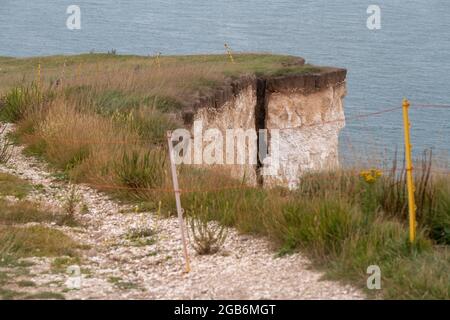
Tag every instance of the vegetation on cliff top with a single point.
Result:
(135, 79)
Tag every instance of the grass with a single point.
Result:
(12, 186)
(45, 296)
(35, 241)
(123, 285)
(16, 103)
(177, 78)
(106, 126)
(141, 236)
(23, 211)
(8, 294)
(60, 264)
(139, 171)
(19, 242)
(337, 218)
(26, 283)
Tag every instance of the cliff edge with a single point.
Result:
(301, 114)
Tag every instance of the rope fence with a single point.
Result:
(242, 186)
(160, 141)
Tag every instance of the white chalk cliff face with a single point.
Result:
(307, 110)
(238, 112)
(309, 126)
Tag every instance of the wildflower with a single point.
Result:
(371, 175)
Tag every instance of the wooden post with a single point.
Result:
(178, 200)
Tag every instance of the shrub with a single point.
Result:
(208, 236)
(71, 206)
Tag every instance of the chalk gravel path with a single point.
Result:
(246, 267)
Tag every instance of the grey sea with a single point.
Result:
(408, 57)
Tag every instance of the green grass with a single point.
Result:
(425, 276)
(12, 186)
(123, 285)
(26, 283)
(60, 264)
(8, 294)
(141, 236)
(17, 243)
(17, 70)
(23, 212)
(35, 241)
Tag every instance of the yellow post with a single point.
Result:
(229, 52)
(39, 82)
(158, 62)
(409, 176)
(39, 77)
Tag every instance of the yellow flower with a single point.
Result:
(370, 175)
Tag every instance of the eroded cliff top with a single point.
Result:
(169, 83)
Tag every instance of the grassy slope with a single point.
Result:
(98, 129)
(18, 241)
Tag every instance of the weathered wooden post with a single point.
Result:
(178, 200)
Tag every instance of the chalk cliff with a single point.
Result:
(303, 114)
